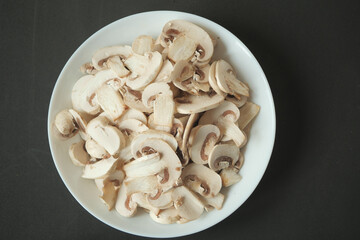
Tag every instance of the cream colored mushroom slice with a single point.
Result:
(143, 44)
(187, 203)
(152, 91)
(164, 109)
(132, 99)
(103, 54)
(177, 130)
(132, 126)
(80, 122)
(226, 110)
(140, 138)
(166, 216)
(140, 199)
(177, 28)
(100, 168)
(117, 177)
(161, 201)
(238, 103)
(229, 176)
(144, 166)
(88, 68)
(110, 101)
(239, 163)
(231, 129)
(193, 104)
(183, 147)
(183, 48)
(131, 113)
(147, 184)
(172, 169)
(201, 75)
(165, 72)
(227, 139)
(124, 205)
(202, 180)
(216, 202)
(223, 156)
(227, 81)
(109, 137)
(248, 112)
(181, 72)
(144, 69)
(116, 83)
(157, 45)
(109, 187)
(64, 125)
(201, 141)
(95, 150)
(115, 64)
(213, 82)
(78, 155)
(78, 90)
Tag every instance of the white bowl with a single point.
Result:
(258, 150)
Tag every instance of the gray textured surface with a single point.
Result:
(310, 53)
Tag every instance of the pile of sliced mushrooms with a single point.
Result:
(161, 124)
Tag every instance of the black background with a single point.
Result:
(309, 51)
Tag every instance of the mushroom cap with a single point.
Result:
(187, 203)
(223, 156)
(144, 69)
(193, 104)
(110, 101)
(201, 141)
(143, 44)
(131, 126)
(132, 113)
(95, 150)
(100, 168)
(226, 110)
(101, 55)
(152, 90)
(78, 155)
(202, 180)
(165, 72)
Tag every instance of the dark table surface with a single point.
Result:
(309, 51)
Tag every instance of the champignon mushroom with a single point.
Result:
(183, 48)
(248, 113)
(140, 199)
(231, 130)
(181, 72)
(95, 150)
(143, 44)
(115, 64)
(147, 184)
(88, 68)
(109, 187)
(164, 108)
(130, 126)
(226, 110)
(201, 141)
(222, 156)
(217, 201)
(165, 72)
(144, 166)
(132, 99)
(238, 103)
(152, 91)
(201, 75)
(187, 203)
(163, 201)
(229, 177)
(143, 69)
(202, 180)
(183, 147)
(78, 155)
(102, 55)
(110, 101)
(212, 80)
(80, 123)
(124, 205)
(131, 113)
(166, 216)
(64, 125)
(193, 104)
(100, 168)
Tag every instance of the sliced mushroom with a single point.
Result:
(78, 155)
(181, 72)
(143, 44)
(80, 123)
(144, 69)
(183, 147)
(226, 110)
(230, 129)
(202, 180)
(88, 68)
(183, 48)
(115, 64)
(100, 168)
(166, 216)
(239, 163)
(193, 104)
(131, 113)
(107, 136)
(132, 99)
(165, 72)
(144, 166)
(95, 150)
(187, 203)
(109, 187)
(201, 141)
(117, 177)
(217, 201)
(140, 199)
(238, 103)
(147, 184)
(131, 126)
(102, 55)
(152, 90)
(124, 205)
(177, 130)
(248, 113)
(164, 108)
(222, 156)
(110, 101)
(163, 201)
(229, 177)
(213, 82)
(65, 126)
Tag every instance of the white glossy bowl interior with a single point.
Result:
(258, 150)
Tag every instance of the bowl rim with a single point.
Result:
(271, 104)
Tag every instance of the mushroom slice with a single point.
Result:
(239, 163)
(177, 130)
(102, 55)
(163, 201)
(131, 126)
(144, 166)
(231, 130)
(222, 156)
(132, 99)
(78, 155)
(226, 110)
(238, 103)
(202, 180)
(143, 44)
(110, 101)
(178, 28)
(100, 168)
(181, 72)
(248, 113)
(166, 216)
(212, 80)
(152, 91)
(193, 104)
(201, 75)
(201, 141)
(140, 199)
(227, 81)
(131, 113)
(95, 150)
(187, 203)
(124, 204)
(147, 184)
(78, 90)
(183, 147)
(80, 123)
(217, 201)
(168, 138)
(143, 69)
(107, 136)
(165, 72)
(183, 48)
(64, 124)
(164, 108)
(172, 170)
(115, 64)
(109, 187)
(88, 68)
(229, 177)
(117, 177)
